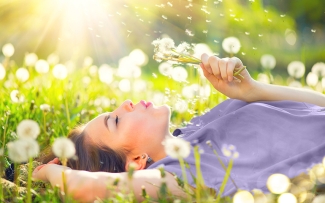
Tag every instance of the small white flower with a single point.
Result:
(296, 69)
(2, 72)
(312, 79)
(8, 50)
(319, 69)
(63, 148)
(177, 148)
(30, 59)
(22, 74)
(16, 97)
(268, 61)
(45, 107)
(229, 151)
(22, 149)
(42, 66)
(28, 129)
(60, 72)
(231, 45)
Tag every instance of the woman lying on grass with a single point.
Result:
(275, 130)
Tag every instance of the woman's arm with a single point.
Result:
(220, 73)
(86, 186)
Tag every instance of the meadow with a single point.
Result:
(59, 97)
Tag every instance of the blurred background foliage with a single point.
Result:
(107, 30)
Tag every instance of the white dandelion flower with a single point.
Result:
(88, 61)
(296, 69)
(42, 66)
(263, 78)
(138, 57)
(128, 69)
(177, 148)
(125, 85)
(165, 68)
(319, 69)
(231, 45)
(45, 107)
(8, 50)
(30, 59)
(60, 71)
(312, 79)
(28, 129)
(179, 74)
(278, 183)
(268, 61)
(2, 72)
(22, 149)
(181, 106)
(287, 198)
(53, 59)
(16, 96)
(201, 48)
(164, 45)
(22, 74)
(183, 48)
(229, 151)
(63, 148)
(243, 196)
(105, 73)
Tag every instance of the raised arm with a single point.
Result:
(86, 186)
(220, 73)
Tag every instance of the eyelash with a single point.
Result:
(116, 119)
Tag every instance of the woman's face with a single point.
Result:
(138, 128)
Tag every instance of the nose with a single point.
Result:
(125, 107)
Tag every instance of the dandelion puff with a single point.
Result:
(22, 74)
(63, 148)
(45, 107)
(296, 69)
(231, 45)
(287, 198)
(179, 74)
(16, 97)
(138, 57)
(201, 48)
(177, 148)
(53, 59)
(60, 72)
(183, 48)
(8, 50)
(243, 196)
(22, 149)
(30, 59)
(312, 79)
(181, 106)
(268, 61)
(319, 69)
(2, 72)
(42, 66)
(28, 129)
(164, 45)
(278, 183)
(105, 73)
(165, 69)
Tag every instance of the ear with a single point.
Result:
(140, 162)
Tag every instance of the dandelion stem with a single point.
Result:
(67, 110)
(4, 133)
(44, 122)
(29, 180)
(225, 180)
(199, 178)
(64, 179)
(181, 162)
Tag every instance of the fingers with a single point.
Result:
(221, 68)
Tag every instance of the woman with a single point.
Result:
(271, 137)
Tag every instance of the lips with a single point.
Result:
(145, 104)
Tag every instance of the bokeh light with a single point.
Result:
(8, 50)
(243, 197)
(287, 198)
(22, 74)
(60, 71)
(278, 183)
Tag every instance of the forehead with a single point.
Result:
(96, 128)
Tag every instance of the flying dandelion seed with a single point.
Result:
(282, 16)
(287, 198)
(243, 197)
(177, 148)
(154, 75)
(312, 30)
(21, 150)
(268, 61)
(63, 148)
(296, 69)
(189, 32)
(22, 74)
(30, 59)
(60, 72)
(42, 66)
(8, 50)
(278, 183)
(2, 72)
(231, 45)
(164, 17)
(28, 129)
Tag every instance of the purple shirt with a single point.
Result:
(271, 137)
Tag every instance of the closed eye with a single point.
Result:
(116, 120)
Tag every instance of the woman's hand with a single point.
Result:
(220, 73)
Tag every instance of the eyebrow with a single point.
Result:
(105, 121)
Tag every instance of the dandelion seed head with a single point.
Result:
(105, 73)
(16, 96)
(22, 74)
(45, 107)
(262, 77)
(21, 150)
(8, 50)
(201, 48)
(189, 32)
(296, 69)
(60, 71)
(243, 196)
(63, 148)
(312, 79)
(268, 61)
(287, 198)
(28, 129)
(165, 68)
(2, 72)
(278, 183)
(231, 45)
(177, 148)
(125, 85)
(138, 57)
(290, 37)
(42, 66)
(318, 68)
(128, 69)
(30, 59)
(179, 74)
(53, 59)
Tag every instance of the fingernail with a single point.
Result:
(229, 78)
(205, 58)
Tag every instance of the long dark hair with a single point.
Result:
(89, 155)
